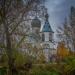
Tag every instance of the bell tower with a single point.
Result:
(47, 32)
(47, 38)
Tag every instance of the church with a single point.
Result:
(43, 37)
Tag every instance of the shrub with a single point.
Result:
(43, 70)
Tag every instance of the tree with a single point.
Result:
(66, 32)
(62, 51)
(72, 27)
(12, 13)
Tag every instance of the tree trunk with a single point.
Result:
(7, 38)
(8, 47)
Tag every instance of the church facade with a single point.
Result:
(43, 37)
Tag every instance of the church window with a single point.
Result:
(43, 37)
(50, 37)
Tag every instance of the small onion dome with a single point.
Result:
(36, 22)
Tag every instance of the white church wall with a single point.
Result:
(46, 36)
(46, 52)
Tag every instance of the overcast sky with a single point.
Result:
(58, 10)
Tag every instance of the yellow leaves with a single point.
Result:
(19, 59)
(62, 51)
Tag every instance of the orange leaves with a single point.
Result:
(62, 51)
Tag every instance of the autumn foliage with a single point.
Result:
(62, 51)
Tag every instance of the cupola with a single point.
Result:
(36, 22)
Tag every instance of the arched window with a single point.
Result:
(50, 37)
(43, 37)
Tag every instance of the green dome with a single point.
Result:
(36, 22)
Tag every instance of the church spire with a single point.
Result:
(46, 16)
(47, 27)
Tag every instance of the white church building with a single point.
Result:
(43, 37)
